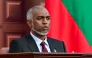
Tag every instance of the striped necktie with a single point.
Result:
(43, 47)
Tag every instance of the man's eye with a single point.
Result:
(39, 18)
(47, 18)
(42, 17)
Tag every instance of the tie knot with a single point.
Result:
(42, 43)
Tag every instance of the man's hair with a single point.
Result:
(29, 12)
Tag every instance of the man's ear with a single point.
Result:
(29, 22)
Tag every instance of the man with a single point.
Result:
(38, 19)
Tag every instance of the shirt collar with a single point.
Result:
(37, 40)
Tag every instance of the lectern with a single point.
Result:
(44, 55)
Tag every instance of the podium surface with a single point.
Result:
(44, 55)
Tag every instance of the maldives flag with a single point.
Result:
(71, 22)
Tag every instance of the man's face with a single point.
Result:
(41, 21)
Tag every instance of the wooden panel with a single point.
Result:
(41, 2)
(1, 23)
(45, 55)
(1, 36)
(14, 11)
(1, 13)
(8, 36)
(15, 27)
(1, 26)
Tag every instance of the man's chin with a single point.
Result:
(44, 34)
(41, 33)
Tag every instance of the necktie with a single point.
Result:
(43, 47)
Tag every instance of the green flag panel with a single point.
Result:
(81, 11)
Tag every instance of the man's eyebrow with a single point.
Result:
(43, 16)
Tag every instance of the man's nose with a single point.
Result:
(45, 21)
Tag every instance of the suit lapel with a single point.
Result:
(31, 44)
(51, 45)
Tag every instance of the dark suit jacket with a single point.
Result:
(27, 44)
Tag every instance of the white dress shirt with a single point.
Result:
(38, 42)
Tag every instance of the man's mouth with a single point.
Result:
(45, 27)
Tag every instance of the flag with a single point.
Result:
(71, 22)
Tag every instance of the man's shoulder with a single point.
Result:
(21, 38)
(54, 40)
